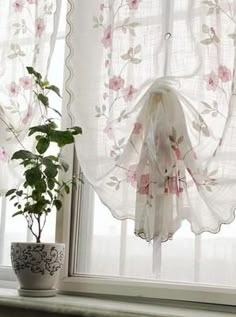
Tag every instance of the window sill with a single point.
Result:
(67, 305)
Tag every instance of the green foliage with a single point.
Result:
(41, 190)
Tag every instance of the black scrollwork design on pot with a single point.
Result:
(37, 258)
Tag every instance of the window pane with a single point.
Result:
(112, 249)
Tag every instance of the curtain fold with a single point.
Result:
(28, 29)
(152, 85)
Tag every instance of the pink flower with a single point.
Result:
(143, 185)
(131, 175)
(212, 81)
(3, 154)
(26, 82)
(40, 27)
(173, 185)
(108, 130)
(106, 40)
(133, 4)
(129, 92)
(18, 5)
(177, 153)
(137, 127)
(116, 83)
(14, 89)
(224, 73)
(28, 115)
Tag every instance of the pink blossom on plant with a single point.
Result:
(26, 82)
(116, 83)
(129, 92)
(131, 175)
(28, 115)
(108, 130)
(137, 127)
(224, 73)
(40, 26)
(14, 89)
(3, 154)
(133, 4)
(18, 5)
(106, 40)
(212, 81)
(143, 184)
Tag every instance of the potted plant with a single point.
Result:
(37, 264)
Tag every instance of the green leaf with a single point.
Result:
(19, 193)
(23, 154)
(31, 71)
(13, 197)
(10, 192)
(76, 130)
(54, 88)
(51, 171)
(57, 203)
(43, 99)
(33, 175)
(55, 110)
(51, 183)
(42, 145)
(62, 137)
(44, 128)
(65, 165)
(41, 186)
(17, 213)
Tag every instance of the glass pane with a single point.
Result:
(112, 249)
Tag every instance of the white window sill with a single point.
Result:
(91, 307)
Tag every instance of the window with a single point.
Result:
(105, 256)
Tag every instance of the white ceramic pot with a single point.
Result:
(37, 267)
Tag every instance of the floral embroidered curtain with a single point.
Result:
(28, 30)
(152, 84)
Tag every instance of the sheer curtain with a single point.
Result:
(152, 85)
(28, 31)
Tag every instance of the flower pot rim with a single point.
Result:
(36, 243)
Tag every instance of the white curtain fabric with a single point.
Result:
(28, 30)
(151, 83)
